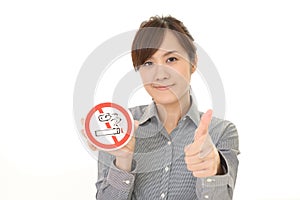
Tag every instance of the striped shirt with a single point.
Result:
(159, 170)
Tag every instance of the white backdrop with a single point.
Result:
(254, 45)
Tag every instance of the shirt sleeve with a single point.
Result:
(222, 186)
(113, 183)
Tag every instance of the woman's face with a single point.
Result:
(166, 75)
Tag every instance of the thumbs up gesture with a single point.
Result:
(201, 156)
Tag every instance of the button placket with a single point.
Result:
(166, 170)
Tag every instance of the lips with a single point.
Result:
(162, 87)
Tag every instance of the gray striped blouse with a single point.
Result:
(159, 170)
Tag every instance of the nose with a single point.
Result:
(161, 73)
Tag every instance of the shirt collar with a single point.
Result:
(193, 113)
(149, 113)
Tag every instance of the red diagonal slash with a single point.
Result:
(117, 143)
(107, 124)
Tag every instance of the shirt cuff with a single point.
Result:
(120, 179)
(219, 180)
(206, 187)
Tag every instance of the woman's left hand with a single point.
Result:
(202, 157)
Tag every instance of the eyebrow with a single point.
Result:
(170, 52)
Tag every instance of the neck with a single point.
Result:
(170, 114)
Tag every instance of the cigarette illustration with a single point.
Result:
(106, 132)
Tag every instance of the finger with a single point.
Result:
(83, 132)
(205, 173)
(193, 149)
(131, 144)
(92, 147)
(200, 166)
(129, 148)
(194, 159)
(207, 148)
(191, 160)
(201, 134)
(202, 129)
(201, 146)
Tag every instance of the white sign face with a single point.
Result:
(109, 126)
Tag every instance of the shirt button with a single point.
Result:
(209, 180)
(206, 196)
(162, 195)
(166, 168)
(127, 182)
(169, 142)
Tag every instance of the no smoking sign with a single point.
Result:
(109, 126)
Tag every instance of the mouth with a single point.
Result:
(162, 87)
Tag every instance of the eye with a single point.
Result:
(147, 63)
(172, 59)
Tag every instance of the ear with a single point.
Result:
(194, 64)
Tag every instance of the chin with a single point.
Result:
(165, 98)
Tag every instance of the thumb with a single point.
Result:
(131, 144)
(202, 130)
(136, 125)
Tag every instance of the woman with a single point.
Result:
(177, 152)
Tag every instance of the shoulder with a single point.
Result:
(221, 124)
(137, 111)
(224, 134)
(222, 130)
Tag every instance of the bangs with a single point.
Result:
(146, 42)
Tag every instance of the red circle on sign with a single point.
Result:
(118, 144)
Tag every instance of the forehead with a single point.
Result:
(171, 43)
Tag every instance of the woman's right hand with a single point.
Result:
(124, 155)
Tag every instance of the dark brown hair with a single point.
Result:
(150, 35)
